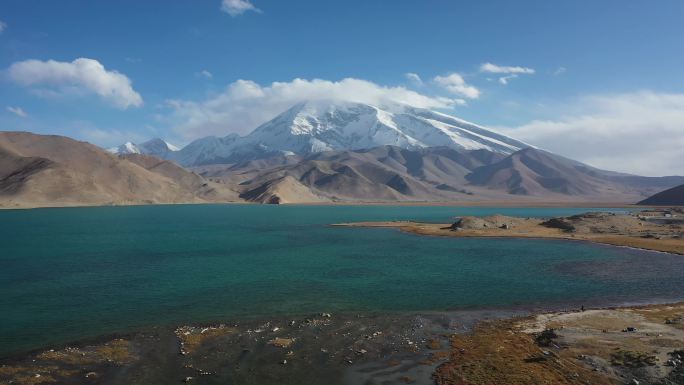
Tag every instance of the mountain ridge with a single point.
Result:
(43, 170)
(318, 126)
(50, 170)
(155, 146)
(390, 173)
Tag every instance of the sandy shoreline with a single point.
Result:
(532, 228)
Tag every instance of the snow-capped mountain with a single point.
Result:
(318, 126)
(156, 147)
(206, 150)
(126, 148)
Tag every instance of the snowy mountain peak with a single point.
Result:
(157, 147)
(316, 126)
(126, 148)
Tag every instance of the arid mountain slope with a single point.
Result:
(384, 173)
(43, 170)
(389, 173)
(40, 170)
(536, 172)
(669, 197)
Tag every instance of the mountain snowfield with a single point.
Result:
(318, 126)
(156, 147)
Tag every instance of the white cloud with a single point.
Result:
(3, 26)
(560, 71)
(80, 76)
(18, 111)
(414, 78)
(244, 104)
(508, 71)
(640, 133)
(495, 69)
(455, 84)
(205, 74)
(238, 7)
(504, 79)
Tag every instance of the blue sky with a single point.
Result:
(594, 63)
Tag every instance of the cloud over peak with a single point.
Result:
(82, 75)
(245, 104)
(238, 7)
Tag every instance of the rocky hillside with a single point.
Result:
(42, 170)
(390, 173)
(669, 197)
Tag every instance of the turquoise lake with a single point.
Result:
(73, 273)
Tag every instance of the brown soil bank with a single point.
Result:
(661, 230)
(643, 345)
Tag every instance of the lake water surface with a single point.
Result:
(72, 273)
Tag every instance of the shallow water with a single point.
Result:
(72, 273)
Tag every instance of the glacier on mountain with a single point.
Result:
(157, 147)
(318, 126)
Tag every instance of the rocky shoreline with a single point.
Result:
(634, 345)
(319, 349)
(638, 344)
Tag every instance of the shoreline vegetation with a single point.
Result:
(627, 345)
(657, 230)
(612, 345)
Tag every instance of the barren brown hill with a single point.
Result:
(389, 173)
(40, 170)
(669, 197)
(534, 172)
(384, 173)
(47, 170)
